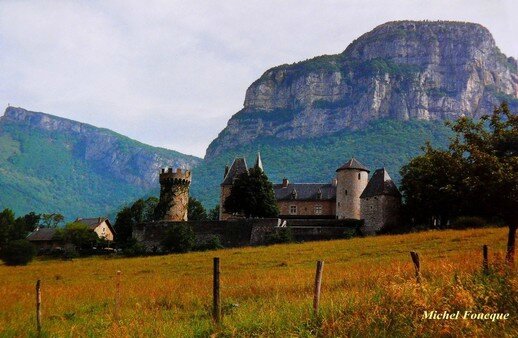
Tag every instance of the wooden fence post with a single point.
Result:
(117, 295)
(216, 301)
(485, 261)
(417, 265)
(38, 307)
(318, 285)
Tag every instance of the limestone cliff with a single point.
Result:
(400, 70)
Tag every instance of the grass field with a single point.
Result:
(368, 290)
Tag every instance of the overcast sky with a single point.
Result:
(171, 73)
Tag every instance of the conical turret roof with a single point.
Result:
(380, 184)
(258, 162)
(353, 164)
(237, 168)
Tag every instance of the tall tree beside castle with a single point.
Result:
(252, 195)
(476, 175)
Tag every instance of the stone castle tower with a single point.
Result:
(174, 194)
(351, 180)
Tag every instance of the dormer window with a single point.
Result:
(319, 194)
(294, 194)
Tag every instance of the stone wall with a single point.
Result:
(238, 233)
(379, 211)
(349, 187)
(225, 192)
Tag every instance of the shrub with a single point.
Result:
(213, 243)
(19, 252)
(281, 235)
(178, 238)
(135, 249)
(465, 222)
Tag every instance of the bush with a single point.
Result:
(178, 238)
(135, 249)
(212, 243)
(465, 222)
(19, 252)
(278, 236)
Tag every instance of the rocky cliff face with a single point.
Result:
(108, 153)
(400, 70)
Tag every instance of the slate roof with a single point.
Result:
(238, 167)
(353, 164)
(380, 184)
(93, 223)
(41, 234)
(305, 191)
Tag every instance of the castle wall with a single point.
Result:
(348, 190)
(245, 232)
(379, 211)
(307, 208)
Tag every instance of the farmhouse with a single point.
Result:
(101, 226)
(43, 239)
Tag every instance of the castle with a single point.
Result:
(313, 211)
(350, 196)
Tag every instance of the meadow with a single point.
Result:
(369, 290)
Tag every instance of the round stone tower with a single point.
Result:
(352, 178)
(174, 194)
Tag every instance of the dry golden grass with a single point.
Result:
(368, 290)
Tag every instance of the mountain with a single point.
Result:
(400, 70)
(380, 100)
(52, 164)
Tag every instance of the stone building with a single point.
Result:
(174, 194)
(305, 200)
(351, 180)
(350, 196)
(380, 202)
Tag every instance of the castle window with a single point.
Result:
(293, 209)
(359, 175)
(318, 209)
(345, 192)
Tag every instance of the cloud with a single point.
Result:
(171, 73)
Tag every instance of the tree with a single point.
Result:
(51, 220)
(214, 213)
(142, 210)
(77, 234)
(477, 175)
(179, 237)
(195, 210)
(6, 225)
(430, 184)
(13, 229)
(252, 195)
(18, 252)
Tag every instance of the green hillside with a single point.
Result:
(59, 171)
(384, 143)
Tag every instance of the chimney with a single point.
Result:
(285, 182)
